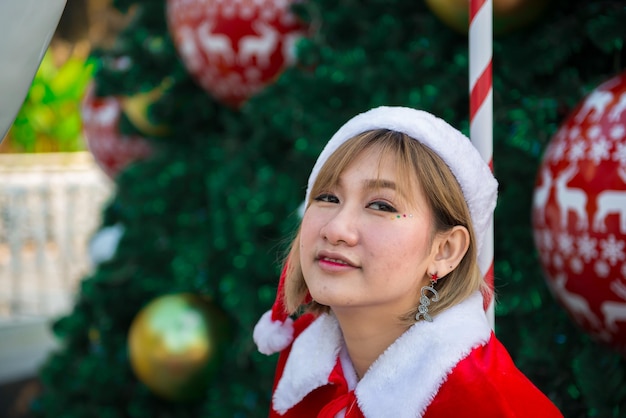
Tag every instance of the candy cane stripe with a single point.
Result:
(480, 33)
(481, 113)
(475, 7)
(482, 88)
(481, 128)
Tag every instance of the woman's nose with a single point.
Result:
(342, 227)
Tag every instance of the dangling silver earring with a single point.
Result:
(422, 310)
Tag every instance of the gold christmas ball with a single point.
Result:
(508, 15)
(175, 345)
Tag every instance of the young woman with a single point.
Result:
(385, 278)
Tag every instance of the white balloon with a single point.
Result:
(27, 26)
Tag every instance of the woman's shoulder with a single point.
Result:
(487, 383)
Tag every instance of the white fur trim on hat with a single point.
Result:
(272, 336)
(478, 184)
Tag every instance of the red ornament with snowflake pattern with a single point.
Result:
(579, 214)
(111, 150)
(233, 49)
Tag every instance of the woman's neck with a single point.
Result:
(367, 336)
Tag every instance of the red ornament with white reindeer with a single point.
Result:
(233, 49)
(112, 151)
(579, 214)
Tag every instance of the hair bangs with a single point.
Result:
(390, 146)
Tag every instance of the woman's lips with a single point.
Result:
(334, 262)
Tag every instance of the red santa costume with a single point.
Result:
(453, 366)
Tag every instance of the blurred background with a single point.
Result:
(156, 167)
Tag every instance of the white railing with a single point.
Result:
(50, 206)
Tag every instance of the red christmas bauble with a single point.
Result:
(234, 49)
(111, 150)
(579, 214)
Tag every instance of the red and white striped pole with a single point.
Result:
(481, 111)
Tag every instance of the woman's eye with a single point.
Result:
(385, 207)
(327, 197)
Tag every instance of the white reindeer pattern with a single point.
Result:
(614, 311)
(259, 47)
(541, 195)
(595, 105)
(618, 288)
(214, 43)
(570, 198)
(576, 304)
(611, 201)
(618, 109)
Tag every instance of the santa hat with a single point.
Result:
(274, 331)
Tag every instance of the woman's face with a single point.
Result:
(364, 246)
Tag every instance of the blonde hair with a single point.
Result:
(427, 173)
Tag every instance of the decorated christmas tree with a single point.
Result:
(188, 254)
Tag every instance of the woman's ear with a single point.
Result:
(450, 248)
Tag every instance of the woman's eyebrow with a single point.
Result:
(379, 184)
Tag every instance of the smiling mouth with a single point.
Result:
(334, 260)
(330, 262)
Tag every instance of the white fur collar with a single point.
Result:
(412, 368)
